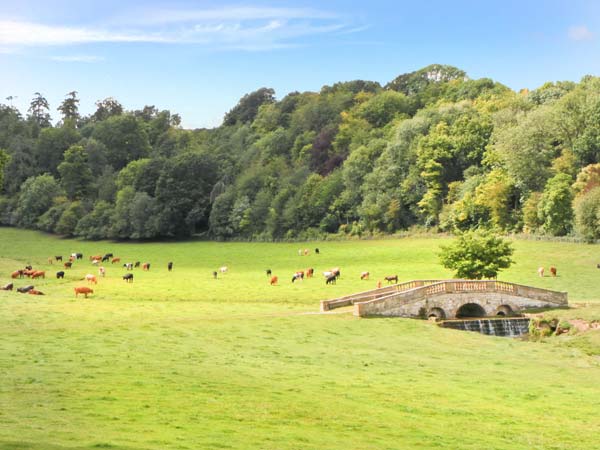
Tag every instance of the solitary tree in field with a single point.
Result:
(476, 255)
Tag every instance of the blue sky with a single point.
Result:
(197, 58)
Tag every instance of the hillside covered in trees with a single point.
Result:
(431, 148)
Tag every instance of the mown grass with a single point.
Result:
(179, 360)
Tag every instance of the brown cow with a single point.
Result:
(364, 276)
(68, 264)
(98, 257)
(17, 274)
(38, 274)
(146, 266)
(115, 260)
(91, 278)
(35, 292)
(274, 280)
(310, 272)
(553, 271)
(392, 278)
(83, 290)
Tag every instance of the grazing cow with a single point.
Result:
(98, 257)
(268, 272)
(146, 266)
(553, 271)
(91, 278)
(137, 264)
(541, 271)
(38, 274)
(17, 273)
(68, 264)
(215, 274)
(331, 279)
(24, 289)
(102, 271)
(128, 277)
(317, 251)
(364, 276)
(35, 292)
(60, 274)
(310, 272)
(78, 255)
(128, 266)
(83, 290)
(115, 260)
(170, 266)
(274, 280)
(223, 269)
(105, 258)
(298, 276)
(7, 287)
(58, 258)
(392, 278)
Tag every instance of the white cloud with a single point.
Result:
(251, 28)
(78, 58)
(580, 33)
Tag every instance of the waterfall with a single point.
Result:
(509, 327)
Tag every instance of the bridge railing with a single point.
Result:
(461, 286)
(373, 294)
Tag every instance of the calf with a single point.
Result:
(553, 271)
(7, 287)
(91, 278)
(68, 265)
(24, 289)
(35, 292)
(364, 276)
(392, 278)
(60, 274)
(128, 277)
(274, 280)
(170, 266)
(83, 290)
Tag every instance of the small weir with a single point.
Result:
(509, 327)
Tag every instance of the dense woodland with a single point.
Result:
(431, 149)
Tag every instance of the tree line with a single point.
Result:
(432, 149)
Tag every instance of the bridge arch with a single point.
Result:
(505, 310)
(436, 313)
(468, 310)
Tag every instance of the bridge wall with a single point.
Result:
(449, 303)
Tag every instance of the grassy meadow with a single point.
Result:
(182, 361)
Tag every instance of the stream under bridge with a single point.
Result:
(449, 299)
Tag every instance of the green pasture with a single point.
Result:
(182, 361)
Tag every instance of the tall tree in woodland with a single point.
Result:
(39, 110)
(107, 108)
(69, 108)
(75, 173)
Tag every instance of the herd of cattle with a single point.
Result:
(331, 276)
(30, 273)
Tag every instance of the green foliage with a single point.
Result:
(587, 214)
(555, 209)
(75, 173)
(36, 197)
(247, 108)
(476, 255)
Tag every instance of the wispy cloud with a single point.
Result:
(251, 28)
(580, 33)
(78, 58)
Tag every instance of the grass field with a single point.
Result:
(180, 360)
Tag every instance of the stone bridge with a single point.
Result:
(449, 299)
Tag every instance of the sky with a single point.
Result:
(198, 58)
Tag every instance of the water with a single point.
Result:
(510, 327)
